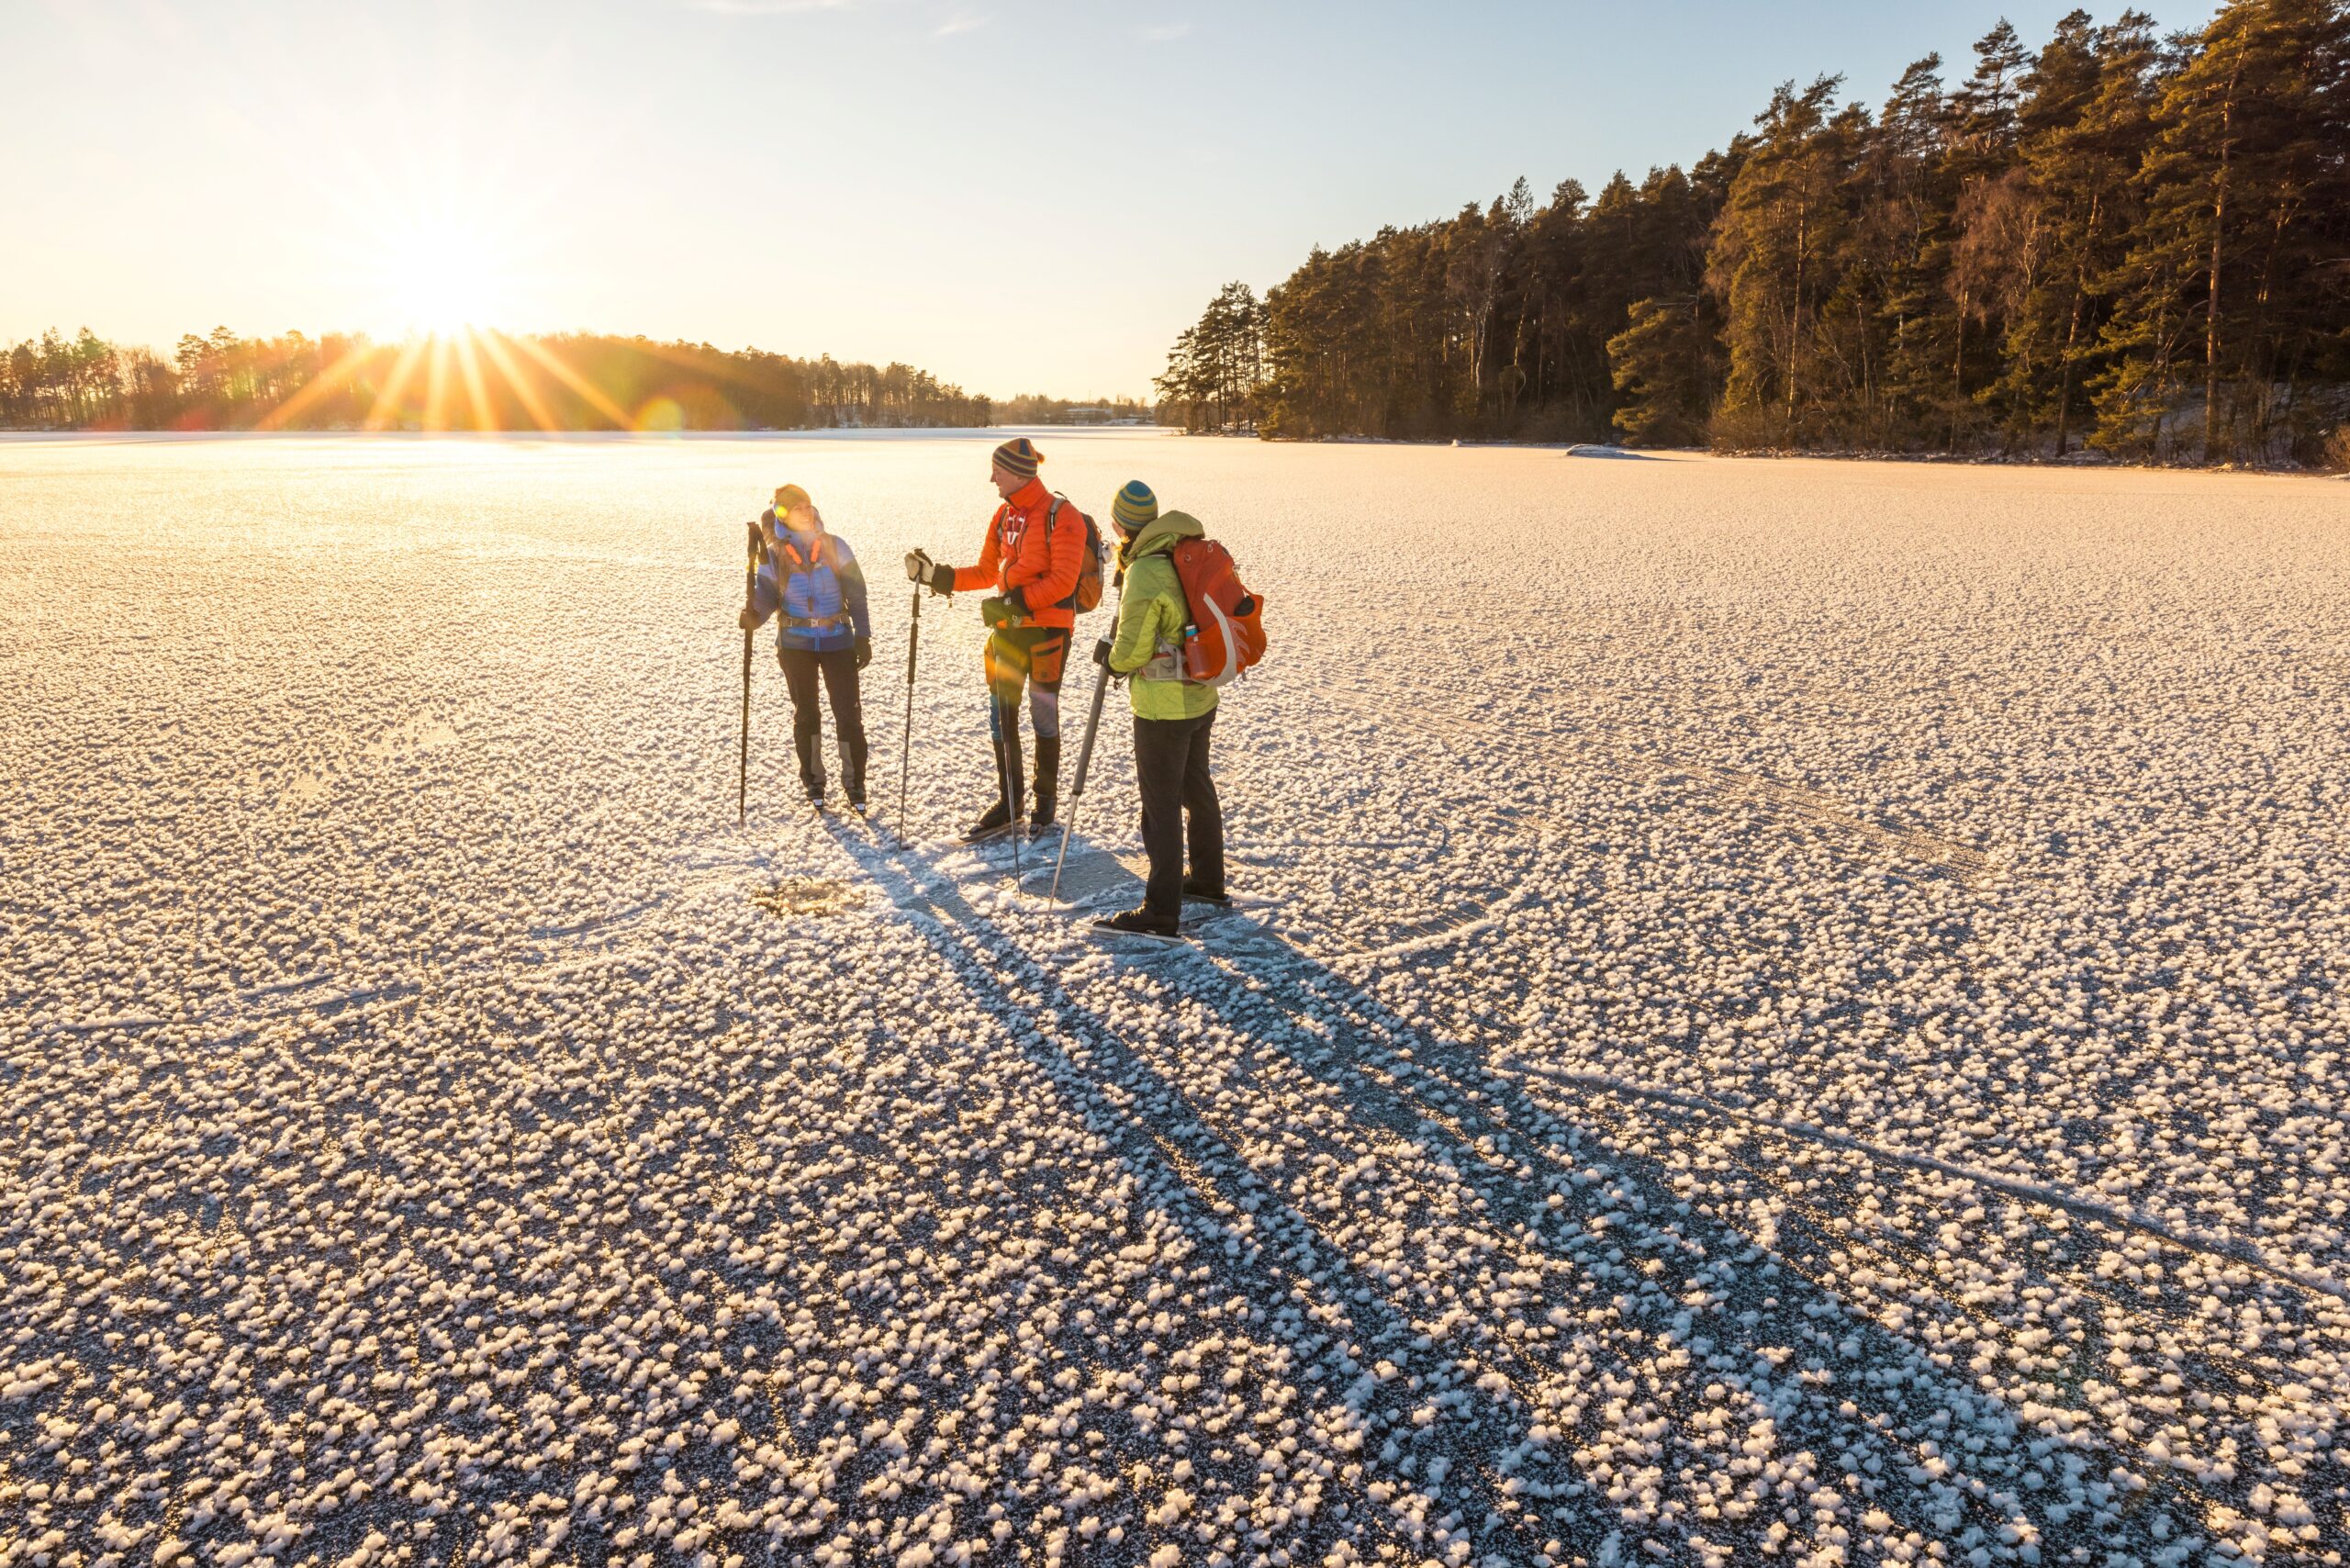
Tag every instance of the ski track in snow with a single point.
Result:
(1800, 1018)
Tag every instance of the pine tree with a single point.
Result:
(1980, 148)
(2084, 134)
(1902, 242)
(2114, 227)
(1664, 363)
(1769, 265)
(2244, 191)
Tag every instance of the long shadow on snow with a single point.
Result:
(1381, 1055)
(1804, 1239)
(1187, 1166)
(1425, 1085)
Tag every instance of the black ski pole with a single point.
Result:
(1085, 749)
(750, 596)
(906, 735)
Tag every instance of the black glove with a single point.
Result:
(997, 612)
(1018, 599)
(748, 620)
(1101, 653)
(864, 651)
(936, 576)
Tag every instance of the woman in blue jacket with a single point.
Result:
(810, 581)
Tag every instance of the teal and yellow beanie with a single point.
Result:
(1135, 508)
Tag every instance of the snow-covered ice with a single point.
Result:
(1803, 1020)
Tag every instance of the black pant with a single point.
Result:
(1172, 771)
(838, 666)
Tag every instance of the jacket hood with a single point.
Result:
(1162, 532)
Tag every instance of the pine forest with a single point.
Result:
(2121, 240)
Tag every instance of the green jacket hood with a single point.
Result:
(1161, 534)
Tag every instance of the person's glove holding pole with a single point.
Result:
(936, 575)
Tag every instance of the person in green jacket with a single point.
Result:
(1172, 717)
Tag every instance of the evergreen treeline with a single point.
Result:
(1217, 368)
(469, 381)
(2138, 242)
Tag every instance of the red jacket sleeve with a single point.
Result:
(970, 579)
(1058, 580)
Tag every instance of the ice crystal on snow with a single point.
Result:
(1802, 1019)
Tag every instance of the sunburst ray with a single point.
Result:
(318, 386)
(492, 344)
(436, 382)
(387, 401)
(469, 364)
(586, 389)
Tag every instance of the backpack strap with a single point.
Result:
(1052, 516)
(809, 562)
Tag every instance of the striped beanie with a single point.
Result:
(1135, 508)
(1019, 455)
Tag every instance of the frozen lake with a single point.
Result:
(1805, 1015)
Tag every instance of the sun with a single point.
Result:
(444, 276)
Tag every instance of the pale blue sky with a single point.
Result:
(1018, 197)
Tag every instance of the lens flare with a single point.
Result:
(660, 415)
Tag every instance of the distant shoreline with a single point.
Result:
(852, 432)
(1587, 450)
(2083, 461)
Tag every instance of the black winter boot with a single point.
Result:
(1006, 810)
(853, 769)
(1048, 781)
(1139, 923)
(807, 743)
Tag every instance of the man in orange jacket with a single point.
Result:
(1030, 563)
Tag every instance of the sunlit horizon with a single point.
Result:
(835, 180)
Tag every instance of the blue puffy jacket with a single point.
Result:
(822, 599)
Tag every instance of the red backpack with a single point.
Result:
(1087, 594)
(1226, 634)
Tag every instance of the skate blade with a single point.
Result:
(1142, 938)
